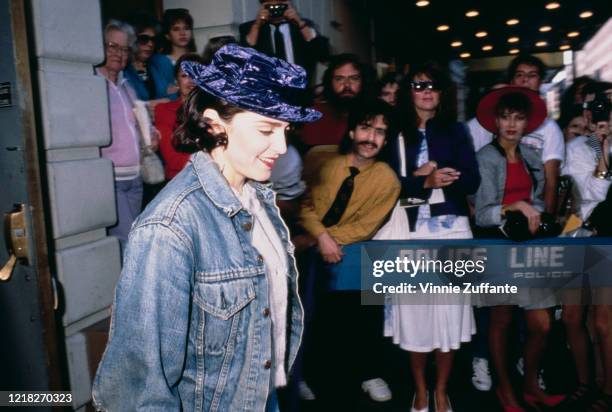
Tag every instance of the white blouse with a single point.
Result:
(267, 242)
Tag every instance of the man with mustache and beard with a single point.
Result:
(345, 84)
(349, 195)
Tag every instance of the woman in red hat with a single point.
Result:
(513, 182)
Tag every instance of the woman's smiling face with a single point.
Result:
(254, 142)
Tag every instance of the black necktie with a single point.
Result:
(279, 43)
(340, 203)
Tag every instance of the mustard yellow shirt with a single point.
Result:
(376, 190)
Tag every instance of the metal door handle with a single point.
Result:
(16, 239)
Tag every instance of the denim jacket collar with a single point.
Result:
(217, 188)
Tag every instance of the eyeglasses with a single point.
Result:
(116, 49)
(145, 38)
(424, 85)
(351, 79)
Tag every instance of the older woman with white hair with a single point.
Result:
(124, 149)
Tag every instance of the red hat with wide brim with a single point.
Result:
(486, 108)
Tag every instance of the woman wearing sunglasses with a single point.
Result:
(441, 171)
(146, 70)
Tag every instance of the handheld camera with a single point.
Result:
(276, 9)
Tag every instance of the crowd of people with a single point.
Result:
(510, 172)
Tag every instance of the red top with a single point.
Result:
(330, 129)
(165, 118)
(518, 183)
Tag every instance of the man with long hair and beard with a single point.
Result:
(346, 82)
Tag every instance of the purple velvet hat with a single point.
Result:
(254, 81)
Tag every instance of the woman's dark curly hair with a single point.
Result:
(570, 114)
(187, 57)
(171, 17)
(445, 113)
(363, 113)
(192, 133)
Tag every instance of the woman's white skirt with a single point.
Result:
(424, 322)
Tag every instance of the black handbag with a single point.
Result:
(516, 227)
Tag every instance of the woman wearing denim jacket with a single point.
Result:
(513, 181)
(206, 313)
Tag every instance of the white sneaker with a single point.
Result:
(377, 389)
(520, 367)
(305, 392)
(481, 378)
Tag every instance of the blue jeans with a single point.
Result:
(128, 198)
(272, 404)
(480, 342)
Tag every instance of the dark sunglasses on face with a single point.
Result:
(145, 38)
(424, 85)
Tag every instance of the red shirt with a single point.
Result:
(518, 183)
(165, 118)
(330, 129)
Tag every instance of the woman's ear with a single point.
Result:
(352, 135)
(214, 123)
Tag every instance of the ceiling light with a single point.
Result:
(541, 44)
(422, 3)
(586, 14)
(564, 47)
(573, 34)
(512, 22)
(472, 13)
(487, 47)
(552, 6)
(544, 29)
(464, 55)
(514, 51)
(481, 34)
(456, 44)
(513, 40)
(443, 27)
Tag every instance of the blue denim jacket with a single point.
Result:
(190, 327)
